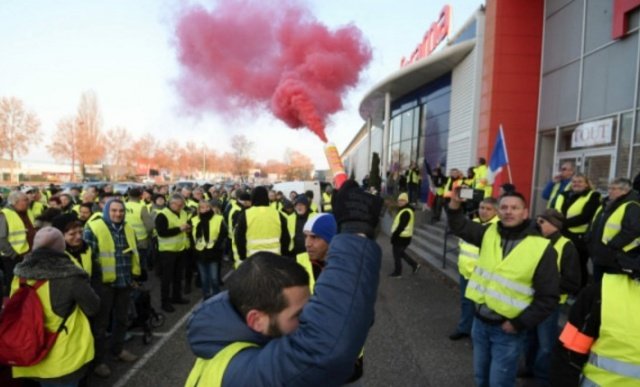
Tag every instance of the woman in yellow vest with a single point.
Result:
(77, 249)
(401, 232)
(66, 292)
(208, 235)
(578, 205)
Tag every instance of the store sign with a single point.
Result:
(621, 12)
(432, 38)
(592, 133)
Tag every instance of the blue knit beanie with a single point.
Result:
(323, 225)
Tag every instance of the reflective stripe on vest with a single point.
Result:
(177, 242)
(72, 349)
(134, 219)
(469, 254)
(574, 210)
(263, 230)
(326, 199)
(613, 225)
(408, 230)
(559, 248)
(555, 191)
(214, 231)
(85, 262)
(304, 261)
(16, 231)
(505, 285)
(209, 372)
(615, 355)
(107, 250)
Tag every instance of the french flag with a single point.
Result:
(499, 160)
(430, 187)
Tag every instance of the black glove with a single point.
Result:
(355, 210)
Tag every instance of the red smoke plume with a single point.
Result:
(247, 54)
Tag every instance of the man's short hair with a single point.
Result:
(514, 195)
(622, 182)
(490, 201)
(89, 206)
(260, 280)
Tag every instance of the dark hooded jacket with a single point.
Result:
(332, 330)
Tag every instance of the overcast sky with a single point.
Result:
(53, 51)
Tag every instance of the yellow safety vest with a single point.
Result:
(263, 230)
(16, 231)
(85, 263)
(559, 247)
(574, 210)
(505, 285)
(177, 242)
(209, 372)
(304, 261)
(214, 231)
(615, 356)
(481, 182)
(35, 210)
(107, 250)
(76, 208)
(277, 205)
(414, 177)
(134, 219)
(313, 207)
(72, 349)
(408, 230)
(613, 225)
(326, 202)
(235, 207)
(555, 191)
(469, 253)
(94, 216)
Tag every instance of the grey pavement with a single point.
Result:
(407, 346)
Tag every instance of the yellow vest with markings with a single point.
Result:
(214, 232)
(505, 285)
(613, 225)
(16, 231)
(107, 250)
(559, 248)
(469, 253)
(134, 219)
(304, 261)
(326, 202)
(555, 191)
(72, 349)
(574, 210)
(85, 262)
(177, 242)
(408, 230)
(209, 372)
(263, 230)
(615, 356)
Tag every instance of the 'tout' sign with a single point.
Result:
(592, 133)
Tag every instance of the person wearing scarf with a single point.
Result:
(208, 235)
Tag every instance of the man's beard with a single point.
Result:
(274, 329)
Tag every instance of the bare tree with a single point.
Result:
(19, 129)
(298, 166)
(118, 142)
(90, 139)
(241, 151)
(65, 142)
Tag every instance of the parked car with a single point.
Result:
(123, 187)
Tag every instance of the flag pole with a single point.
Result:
(506, 154)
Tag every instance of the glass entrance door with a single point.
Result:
(597, 165)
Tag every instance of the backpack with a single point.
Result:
(24, 339)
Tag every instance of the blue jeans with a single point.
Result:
(467, 309)
(495, 354)
(540, 343)
(209, 278)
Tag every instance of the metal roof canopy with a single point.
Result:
(411, 77)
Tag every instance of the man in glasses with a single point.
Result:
(560, 183)
(615, 229)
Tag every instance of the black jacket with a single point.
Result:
(585, 216)
(545, 278)
(604, 255)
(570, 275)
